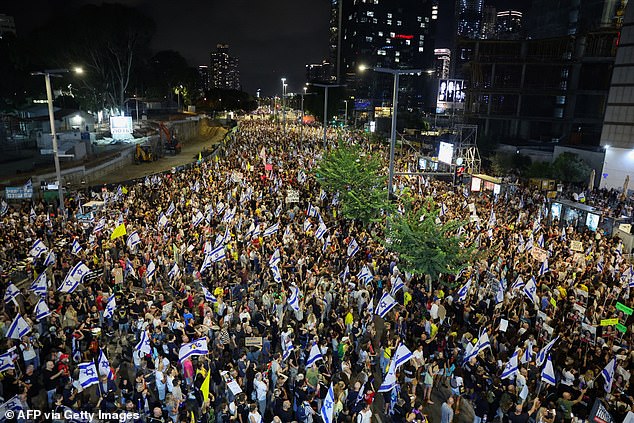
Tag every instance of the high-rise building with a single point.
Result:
(391, 34)
(469, 18)
(321, 72)
(442, 62)
(334, 37)
(509, 25)
(224, 69)
(489, 21)
(204, 78)
(7, 25)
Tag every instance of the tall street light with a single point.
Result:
(283, 101)
(396, 73)
(325, 87)
(57, 73)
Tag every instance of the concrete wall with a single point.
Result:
(536, 155)
(184, 130)
(619, 162)
(593, 158)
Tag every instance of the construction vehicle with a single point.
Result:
(144, 154)
(170, 143)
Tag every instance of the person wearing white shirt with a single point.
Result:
(261, 388)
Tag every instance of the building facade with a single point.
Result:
(7, 25)
(323, 72)
(442, 63)
(508, 25)
(469, 14)
(225, 73)
(204, 78)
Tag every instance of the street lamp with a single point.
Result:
(396, 73)
(283, 96)
(57, 73)
(345, 116)
(325, 87)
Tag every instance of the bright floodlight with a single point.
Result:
(78, 70)
(362, 67)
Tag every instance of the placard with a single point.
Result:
(292, 196)
(504, 324)
(255, 341)
(625, 227)
(609, 322)
(539, 254)
(167, 308)
(621, 328)
(576, 246)
(625, 309)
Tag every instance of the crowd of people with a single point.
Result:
(237, 293)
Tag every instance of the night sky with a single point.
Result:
(273, 39)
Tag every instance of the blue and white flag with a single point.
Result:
(275, 258)
(198, 218)
(492, 220)
(307, 225)
(540, 241)
(543, 353)
(527, 355)
(563, 236)
(100, 226)
(530, 290)
(315, 354)
(197, 347)
(104, 365)
(209, 296)
(499, 295)
(278, 210)
(353, 247)
(443, 210)
(301, 176)
(345, 274)
(481, 344)
(328, 407)
(174, 272)
(312, 211)
(4, 207)
(600, 265)
(37, 249)
(120, 220)
(144, 344)
(402, 355)
(529, 245)
(321, 230)
(386, 303)
(271, 230)
(74, 277)
(608, 375)
(365, 275)
(511, 368)
(133, 240)
(150, 270)
(162, 221)
(293, 299)
(619, 249)
(33, 215)
(15, 405)
(41, 310)
(288, 349)
(206, 263)
(518, 284)
(111, 306)
(322, 195)
(217, 254)
(11, 292)
(170, 210)
(389, 381)
(6, 362)
(397, 286)
(18, 328)
(50, 259)
(543, 268)
(277, 274)
(88, 374)
(548, 373)
(327, 244)
(461, 295)
(230, 214)
(75, 248)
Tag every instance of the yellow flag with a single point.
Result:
(200, 157)
(193, 418)
(553, 302)
(124, 190)
(204, 388)
(118, 231)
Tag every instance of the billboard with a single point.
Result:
(362, 104)
(121, 127)
(451, 94)
(445, 153)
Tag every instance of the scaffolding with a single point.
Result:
(466, 149)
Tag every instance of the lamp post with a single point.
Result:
(283, 100)
(345, 116)
(51, 117)
(396, 73)
(325, 87)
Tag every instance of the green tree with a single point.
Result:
(504, 163)
(569, 167)
(424, 246)
(358, 179)
(539, 170)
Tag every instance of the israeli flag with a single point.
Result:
(563, 236)
(511, 367)
(307, 225)
(293, 299)
(41, 310)
(492, 220)
(322, 195)
(37, 249)
(198, 217)
(209, 296)
(74, 277)
(11, 292)
(100, 226)
(540, 241)
(229, 215)
(6, 362)
(104, 365)
(174, 271)
(133, 240)
(150, 270)
(499, 295)
(88, 374)
(19, 327)
(548, 373)
(443, 210)
(461, 295)
(608, 375)
(528, 354)
(389, 381)
(33, 215)
(301, 176)
(50, 259)
(162, 221)
(288, 349)
(271, 230)
(278, 210)
(326, 245)
(396, 286)
(353, 247)
(277, 275)
(518, 284)
(543, 353)
(328, 408)
(335, 199)
(170, 210)
(4, 207)
(217, 254)
(220, 207)
(345, 273)
(312, 211)
(543, 268)
(14, 404)
(225, 238)
(386, 303)
(529, 245)
(110, 308)
(275, 258)
(197, 347)
(315, 354)
(75, 247)
(600, 265)
(482, 343)
(619, 249)
(530, 290)
(402, 355)
(321, 230)
(365, 275)
(144, 344)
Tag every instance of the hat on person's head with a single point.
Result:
(300, 377)
(64, 357)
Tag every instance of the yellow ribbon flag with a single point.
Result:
(200, 156)
(204, 388)
(118, 231)
(124, 190)
(193, 417)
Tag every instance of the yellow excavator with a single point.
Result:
(143, 154)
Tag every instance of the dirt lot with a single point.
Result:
(190, 150)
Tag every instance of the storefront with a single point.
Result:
(578, 215)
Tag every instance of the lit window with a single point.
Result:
(381, 52)
(370, 13)
(399, 23)
(380, 34)
(420, 49)
(374, 20)
(397, 60)
(426, 19)
(368, 39)
(388, 41)
(419, 19)
(389, 21)
(389, 15)
(407, 43)
(397, 53)
(392, 34)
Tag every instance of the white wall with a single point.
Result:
(618, 163)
